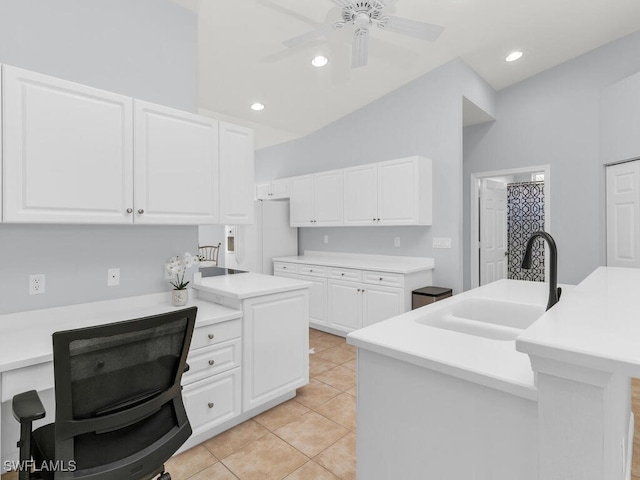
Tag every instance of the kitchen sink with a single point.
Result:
(494, 319)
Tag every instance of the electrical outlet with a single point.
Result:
(326, 239)
(442, 243)
(396, 242)
(113, 277)
(36, 284)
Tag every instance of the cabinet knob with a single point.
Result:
(211, 404)
(211, 362)
(362, 290)
(378, 220)
(129, 210)
(358, 289)
(140, 211)
(310, 270)
(211, 335)
(380, 278)
(284, 268)
(374, 219)
(342, 274)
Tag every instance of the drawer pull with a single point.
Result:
(380, 278)
(284, 268)
(342, 274)
(211, 362)
(211, 404)
(310, 270)
(211, 335)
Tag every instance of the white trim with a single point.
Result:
(475, 220)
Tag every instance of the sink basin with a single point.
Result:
(492, 319)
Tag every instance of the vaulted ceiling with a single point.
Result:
(242, 59)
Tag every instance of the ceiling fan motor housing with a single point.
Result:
(362, 13)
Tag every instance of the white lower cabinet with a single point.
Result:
(212, 386)
(276, 346)
(345, 305)
(342, 300)
(212, 401)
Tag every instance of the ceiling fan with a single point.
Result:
(362, 14)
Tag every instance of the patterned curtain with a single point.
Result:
(525, 215)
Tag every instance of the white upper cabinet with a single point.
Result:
(302, 201)
(236, 174)
(176, 166)
(274, 190)
(68, 151)
(316, 200)
(401, 200)
(620, 120)
(361, 195)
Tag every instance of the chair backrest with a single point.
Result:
(119, 409)
(209, 253)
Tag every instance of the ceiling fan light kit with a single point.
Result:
(362, 14)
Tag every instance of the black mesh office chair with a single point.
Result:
(119, 409)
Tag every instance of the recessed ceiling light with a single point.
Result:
(257, 106)
(319, 61)
(513, 56)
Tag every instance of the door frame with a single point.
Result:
(474, 213)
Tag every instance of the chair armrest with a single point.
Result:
(27, 407)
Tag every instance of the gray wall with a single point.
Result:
(141, 48)
(554, 118)
(424, 118)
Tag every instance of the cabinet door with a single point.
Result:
(68, 151)
(263, 191)
(317, 299)
(175, 166)
(302, 201)
(236, 174)
(620, 120)
(623, 215)
(345, 305)
(280, 188)
(328, 189)
(213, 400)
(398, 192)
(275, 351)
(381, 303)
(361, 195)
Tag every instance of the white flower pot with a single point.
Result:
(179, 297)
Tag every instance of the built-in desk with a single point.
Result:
(26, 358)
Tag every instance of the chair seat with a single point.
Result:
(93, 450)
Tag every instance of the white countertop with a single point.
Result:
(247, 285)
(382, 263)
(494, 363)
(25, 337)
(597, 326)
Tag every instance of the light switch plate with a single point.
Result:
(442, 242)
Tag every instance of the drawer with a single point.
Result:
(215, 333)
(346, 274)
(208, 361)
(313, 270)
(384, 278)
(213, 401)
(34, 377)
(285, 267)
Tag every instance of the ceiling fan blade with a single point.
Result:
(413, 28)
(387, 3)
(360, 52)
(329, 27)
(342, 3)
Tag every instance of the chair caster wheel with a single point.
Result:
(164, 476)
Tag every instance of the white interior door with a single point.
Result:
(493, 231)
(623, 211)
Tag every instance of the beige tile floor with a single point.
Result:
(310, 437)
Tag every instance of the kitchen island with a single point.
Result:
(487, 385)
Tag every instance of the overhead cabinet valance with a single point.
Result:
(77, 154)
(395, 192)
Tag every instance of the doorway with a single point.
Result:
(507, 206)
